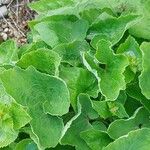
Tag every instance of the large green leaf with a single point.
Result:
(34, 87)
(79, 80)
(54, 33)
(43, 6)
(123, 7)
(135, 140)
(110, 28)
(108, 69)
(43, 95)
(47, 128)
(79, 123)
(121, 127)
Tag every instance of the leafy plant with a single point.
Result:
(82, 81)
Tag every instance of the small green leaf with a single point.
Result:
(107, 109)
(26, 144)
(102, 108)
(98, 125)
(7, 132)
(96, 139)
(12, 117)
(49, 61)
(8, 53)
(19, 116)
(132, 50)
(71, 52)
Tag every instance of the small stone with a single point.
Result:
(4, 26)
(3, 11)
(5, 1)
(6, 30)
(4, 36)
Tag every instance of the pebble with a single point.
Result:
(4, 25)
(4, 36)
(6, 30)
(3, 11)
(5, 2)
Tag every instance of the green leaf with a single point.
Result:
(98, 125)
(26, 144)
(8, 53)
(102, 108)
(135, 140)
(72, 136)
(70, 52)
(108, 109)
(8, 134)
(47, 128)
(49, 61)
(34, 87)
(79, 80)
(132, 105)
(117, 109)
(79, 123)
(96, 139)
(121, 127)
(124, 7)
(132, 50)
(110, 28)
(87, 106)
(46, 5)
(54, 33)
(144, 80)
(137, 94)
(43, 95)
(108, 69)
(32, 47)
(90, 14)
(19, 115)
(141, 29)
(12, 117)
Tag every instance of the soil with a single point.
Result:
(14, 25)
